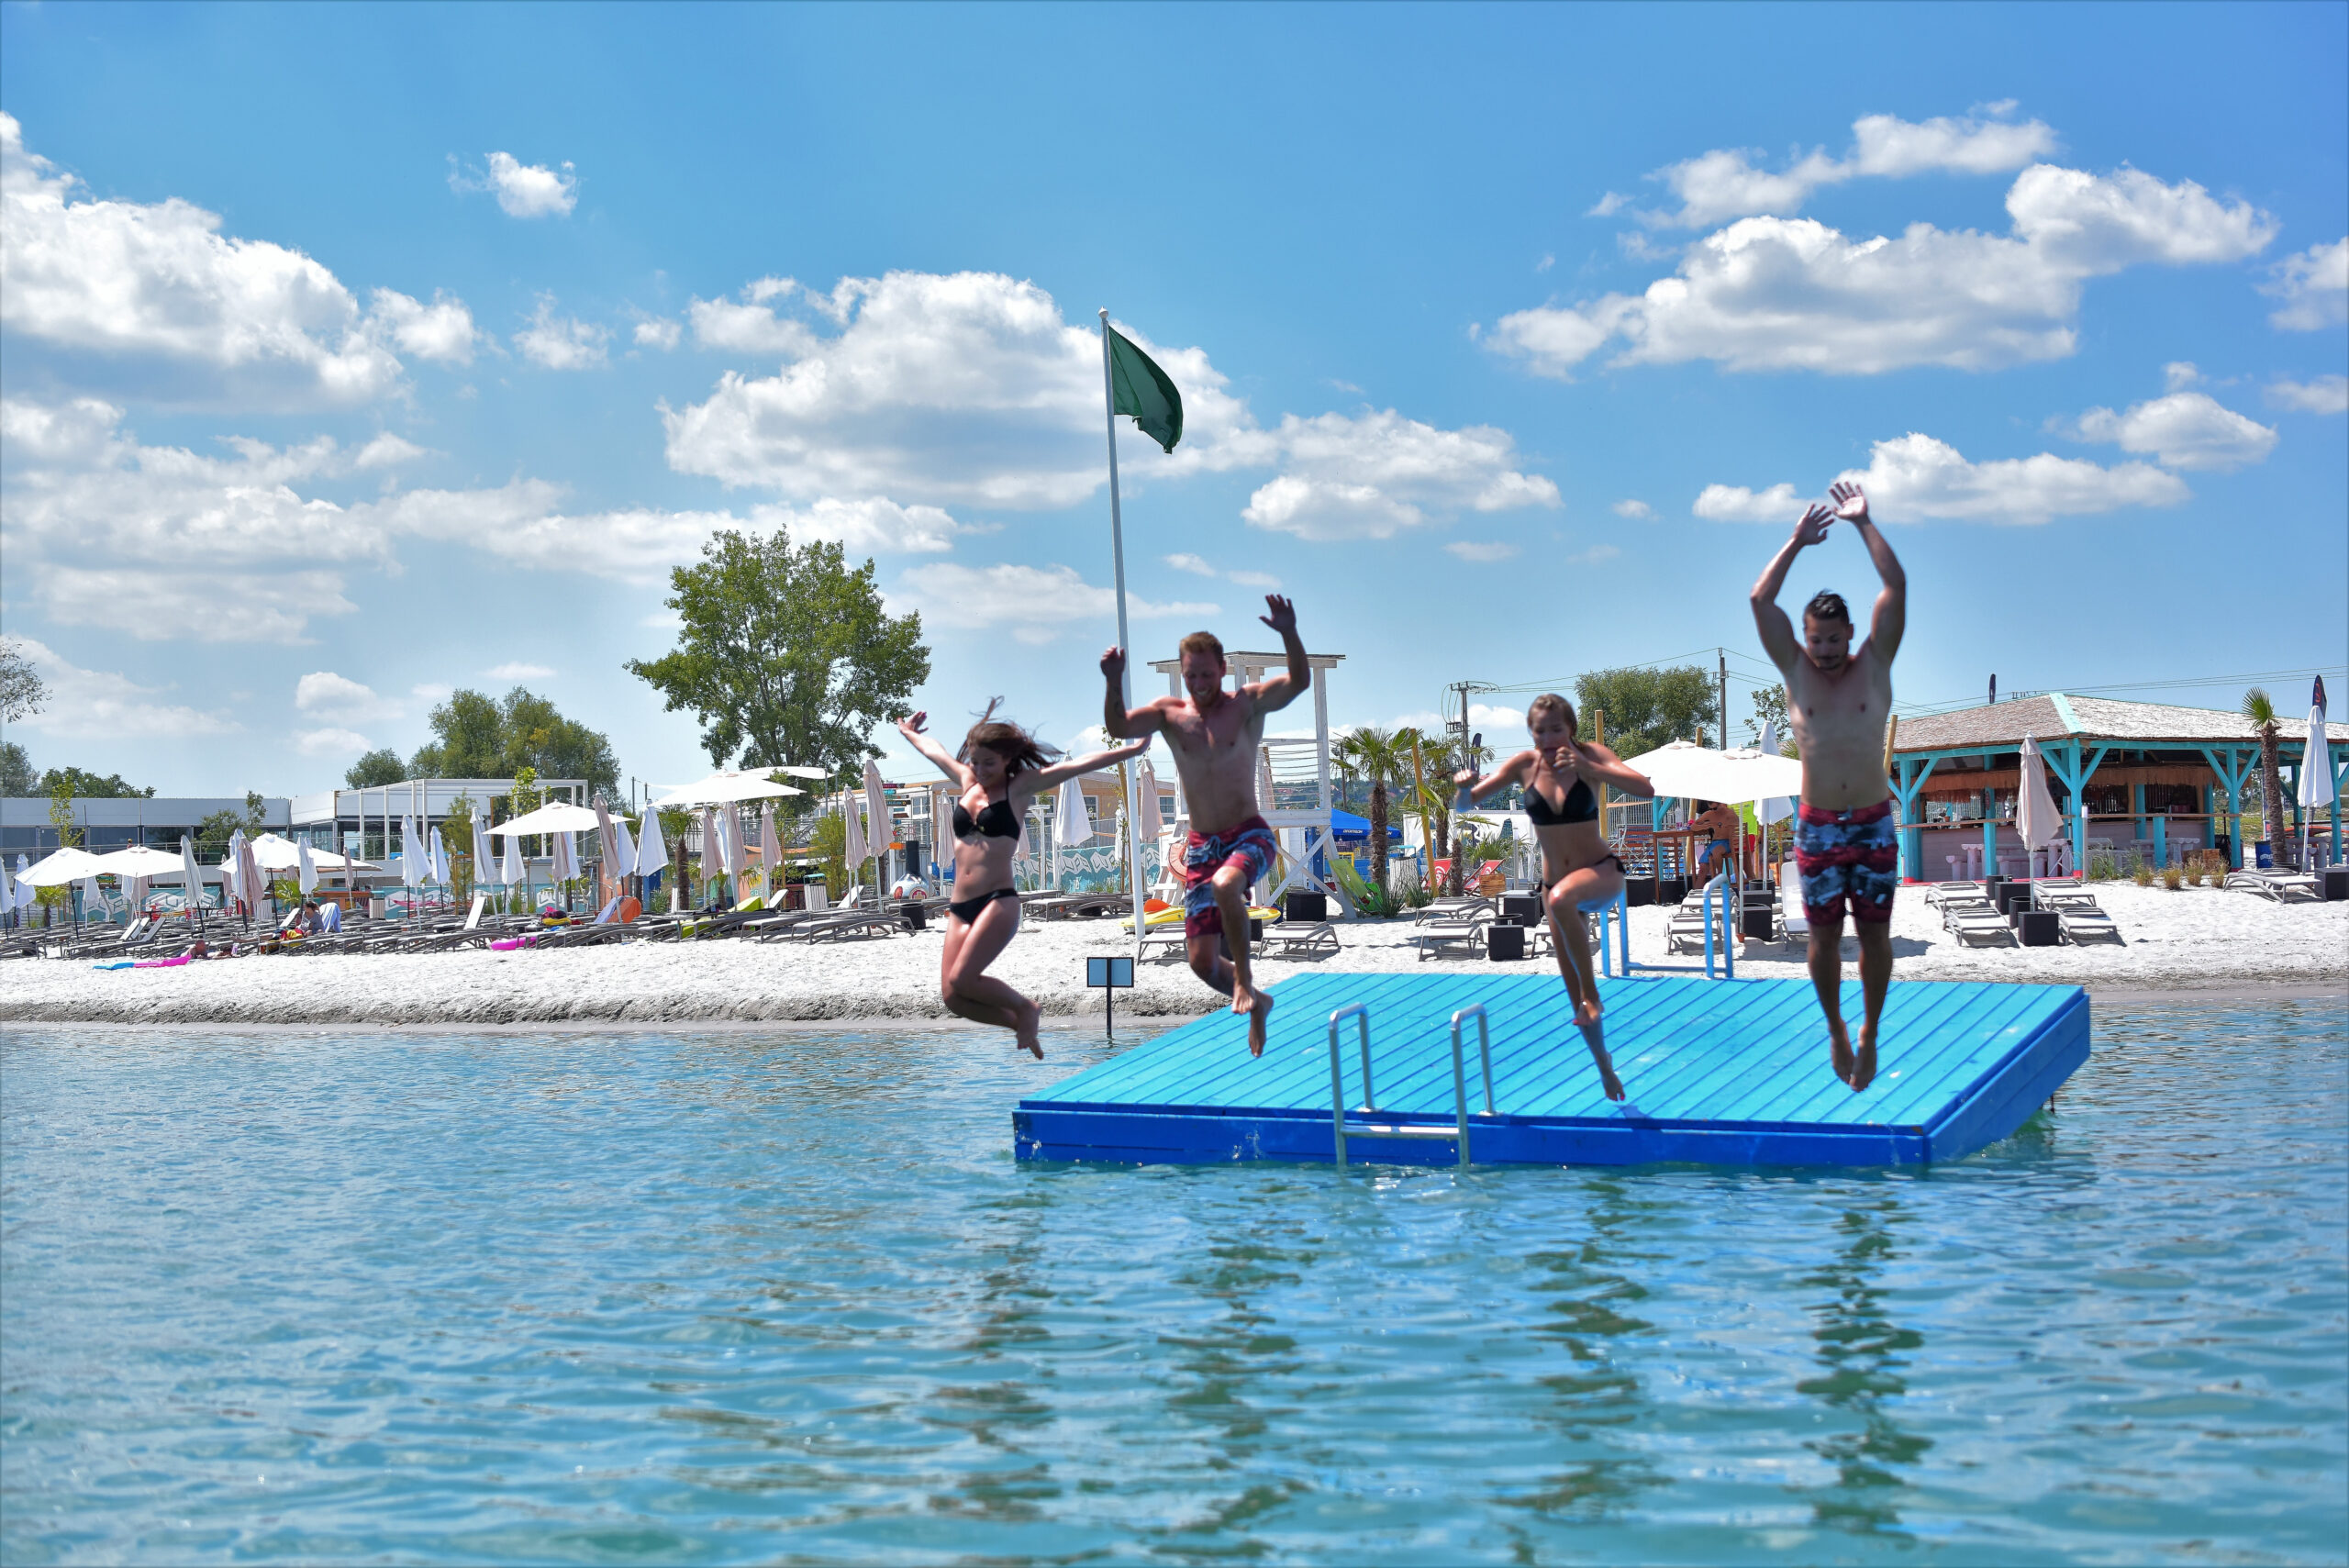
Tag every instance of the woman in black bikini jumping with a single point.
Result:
(1578, 867)
(1000, 769)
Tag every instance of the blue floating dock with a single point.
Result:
(1720, 1073)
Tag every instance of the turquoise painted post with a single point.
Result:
(2160, 839)
(2338, 772)
(1912, 834)
(2137, 810)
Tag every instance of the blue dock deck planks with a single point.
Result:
(1725, 1072)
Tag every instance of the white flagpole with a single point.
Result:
(1126, 680)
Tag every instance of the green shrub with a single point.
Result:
(2142, 875)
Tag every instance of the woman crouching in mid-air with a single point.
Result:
(1000, 769)
(1578, 866)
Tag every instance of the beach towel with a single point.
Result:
(526, 940)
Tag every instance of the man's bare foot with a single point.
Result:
(1841, 1043)
(1027, 1038)
(1864, 1068)
(1258, 1006)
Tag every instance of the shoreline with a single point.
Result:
(2179, 949)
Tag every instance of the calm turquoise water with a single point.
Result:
(759, 1296)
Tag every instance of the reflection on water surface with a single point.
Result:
(751, 1296)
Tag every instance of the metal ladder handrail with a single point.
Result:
(1360, 1013)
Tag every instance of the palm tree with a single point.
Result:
(1371, 753)
(2258, 707)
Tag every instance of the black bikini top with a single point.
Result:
(995, 820)
(1581, 806)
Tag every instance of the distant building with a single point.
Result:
(158, 822)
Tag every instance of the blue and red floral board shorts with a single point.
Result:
(1847, 856)
(1249, 845)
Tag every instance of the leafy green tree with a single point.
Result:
(1646, 707)
(17, 779)
(2260, 708)
(1770, 706)
(212, 833)
(21, 691)
(1374, 756)
(477, 737)
(785, 654)
(379, 767)
(79, 785)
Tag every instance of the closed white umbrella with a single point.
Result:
(651, 853)
(2036, 818)
(566, 858)
(305, 870)
(855, 847)
(412, 867)
(1072, 815)
(880, 832)
(2316, 773)
(253, 885)
(607, 840)
(624, 864)
(440, 858)
(1777, 807)
(513, 873)
(1149, 821)
(730, 835)
(485, 858)
(770, 852)
(191, 876)
(232, 874)
(7, 888)
(26, 892)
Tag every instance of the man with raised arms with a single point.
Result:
(1838, 699)
(1215, 734)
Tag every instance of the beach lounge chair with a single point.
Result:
(1977, 921)
(2282, 887)
(1459, 933)
(1164, 942)
(1315, 939)
(1686, 932)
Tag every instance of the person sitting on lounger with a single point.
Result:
(1558, 772)
(999, 772)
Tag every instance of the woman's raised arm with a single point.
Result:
(1075, 767)
(1509, 773)
(911, 728)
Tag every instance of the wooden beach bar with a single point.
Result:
(2137, 782)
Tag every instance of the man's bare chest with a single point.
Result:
(1225, 732)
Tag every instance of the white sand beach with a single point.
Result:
(2190, 939)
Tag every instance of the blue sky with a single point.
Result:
(353, 355)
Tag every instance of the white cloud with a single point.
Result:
(1253, 579)
(442, 331)
(1373, 475)
(1777, 292)
(1594, 555)
(2314, 286)
(1609, 205)
(1724, 184)
(1633, 508)
(523, 190)
(92, 705)
(323, 694)
(658, 332)
(751, 325)
(385, 451)
(124, 289)
(2325, 395)
(1915, 476)
(1036, 603)
(1198, 565)
(561, 343)
(1482, 553)
(2179, 374)
(517, 672)
(2184, 430)
(161, 543)
(1737, 504)
(331, 743)
(967, 388)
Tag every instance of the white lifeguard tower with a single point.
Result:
(1287, 767)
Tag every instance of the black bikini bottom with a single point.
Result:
(967, 909)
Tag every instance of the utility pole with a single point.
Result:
(1725, 666)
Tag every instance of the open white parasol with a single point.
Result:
(730, 788)
(555, 817)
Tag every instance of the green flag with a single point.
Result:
(1144, 390)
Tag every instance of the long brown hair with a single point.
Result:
(1019, 749)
